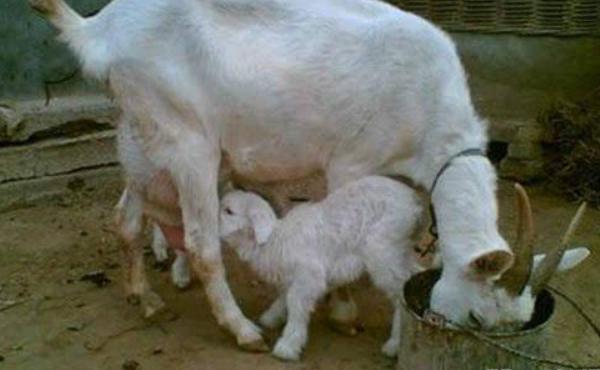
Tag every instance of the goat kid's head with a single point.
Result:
(497, 291)
(246, 220)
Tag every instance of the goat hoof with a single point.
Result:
(390, 348)
(152, 305)
(269, 322)
(163, 315)
(257, 345)
(133, 299)
(181, 278)
(161, 266)
(350, 329)
(286, 353)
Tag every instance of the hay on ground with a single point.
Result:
(572, 147)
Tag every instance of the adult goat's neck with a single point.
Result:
(467, 211)
(464, 197)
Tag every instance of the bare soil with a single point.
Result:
(51, 319)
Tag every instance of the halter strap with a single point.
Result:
(465, 153)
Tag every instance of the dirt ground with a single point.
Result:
(50, 319)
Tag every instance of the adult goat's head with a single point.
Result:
(497, 290)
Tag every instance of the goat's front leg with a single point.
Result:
(196, 177)
(301, 297)
(130, 223)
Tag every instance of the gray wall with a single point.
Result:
(31, 54)
(515, 76)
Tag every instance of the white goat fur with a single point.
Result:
(287, 87)
(368, 225)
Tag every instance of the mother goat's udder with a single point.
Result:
(162, 205)
(173, 235)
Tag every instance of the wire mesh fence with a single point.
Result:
(533, 17)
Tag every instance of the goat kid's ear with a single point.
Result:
(491, 265)
(262, 226)
(570, 259)
(248, 237)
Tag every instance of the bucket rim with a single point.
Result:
(545, 294)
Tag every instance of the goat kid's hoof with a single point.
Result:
(164, 315)
(133, 299)
(390, 348)
(152, 305)
(161, 266)
(181, 279)
(270, 322)
(286, 353)
(257, 345)
(350, 329)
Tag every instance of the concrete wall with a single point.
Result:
(31, 54)
(513, 78)
(45, 144)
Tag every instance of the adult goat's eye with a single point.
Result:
(228, 211)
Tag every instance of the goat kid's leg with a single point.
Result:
(390, 348)
(301, 297)
(275, 315)
(180, 270)
(130, 223)
(159, 245)
(343, 312)
(196, 179)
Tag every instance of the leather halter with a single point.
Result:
(465, 153)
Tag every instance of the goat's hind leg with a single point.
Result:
(390, 348)
(343, 313)
(130, 224)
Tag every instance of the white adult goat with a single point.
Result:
(368, 225)
(287, 87)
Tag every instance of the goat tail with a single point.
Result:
(58, 12)
(91, 48)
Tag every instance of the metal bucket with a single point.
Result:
(425, 346)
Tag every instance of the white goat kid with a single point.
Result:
(368, 225)
(282, 195)
(284, 88)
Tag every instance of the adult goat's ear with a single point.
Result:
(491, 265)
(569, 260)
